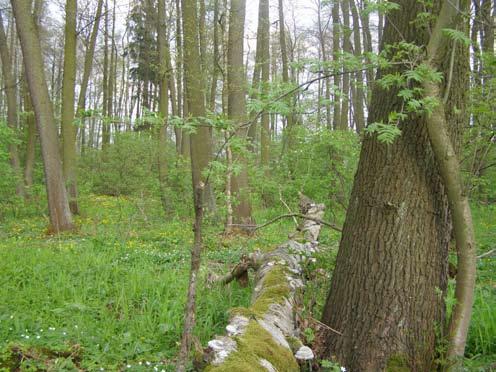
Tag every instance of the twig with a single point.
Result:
(325, 326)
(287, 206)
(487, 254)
(291, 215)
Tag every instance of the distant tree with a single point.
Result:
(10, 91)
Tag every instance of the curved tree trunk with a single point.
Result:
(60, 214)
(387, 291)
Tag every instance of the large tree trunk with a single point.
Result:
(387, 291)
(68, 92)
(10, 92)
(60, 214)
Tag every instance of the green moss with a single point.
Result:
(255, 344)
(294, 343)
(397, 363)
(275, 290)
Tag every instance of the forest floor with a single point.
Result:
(111, 295)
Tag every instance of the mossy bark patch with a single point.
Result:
(256, 344)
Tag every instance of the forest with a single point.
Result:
(233, 185)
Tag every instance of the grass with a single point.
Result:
(111, 295)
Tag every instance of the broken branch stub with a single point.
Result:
(264, 336)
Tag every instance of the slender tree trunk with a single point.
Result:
(179, 76)
(105, 83)
(31, 139)
(10, 91)
(345, 102)
(264, 19)
(163, 102)
(236, 109)
(68, 92)
(358, 83)
(336, 119)
(393, 274)
(60, 214)
(200, 156)
(288, 137)
(88, 59)
(216, 61)
(449, 169)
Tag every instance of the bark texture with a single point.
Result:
(387, 290)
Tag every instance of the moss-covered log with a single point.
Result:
(264, 336)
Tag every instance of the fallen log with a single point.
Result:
(264, 336)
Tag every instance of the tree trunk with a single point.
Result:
(393, 272)
(10, 91)
(237, 106)
(200, 156)
(358, 83)
(336, 49)
(264, 19)
(163, 102)
(60, 214)
(68, 92)
(288, 133)
(345, 101)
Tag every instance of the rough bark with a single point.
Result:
(345, 101)
(60, 214)
(265, 335)
(335, 52)
(392, 272)
(358, 97)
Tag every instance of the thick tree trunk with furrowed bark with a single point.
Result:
(387, 291)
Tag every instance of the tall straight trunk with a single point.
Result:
(367, 43)
(487, 16)
(345, 102)
(179, 76)
(264, 19)
(106, 82)
(68, 92)
(200, 157)
(288, 135)
(216, 61)
(358, 83)
(336, 118)
(88, 59)
(163, 102)
(323, 50)
(30, 119)
(58, 205)
(30, 139)
(236, 107)
(10, 91)
(393, 274)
